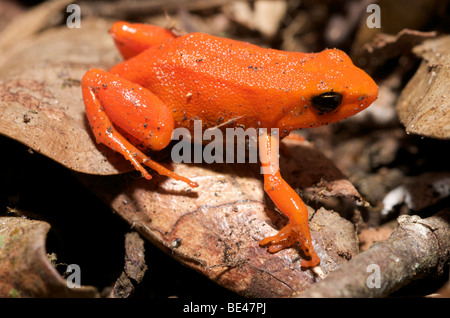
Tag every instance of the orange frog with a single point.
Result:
(168, 82)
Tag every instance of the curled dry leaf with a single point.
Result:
(25, 270)
(383, 47)
(216, 227)
(40, 96)
(424, 105)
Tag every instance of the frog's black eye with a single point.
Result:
(327, 102)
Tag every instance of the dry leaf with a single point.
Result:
(216, 227)
(395, 16)
(25, 270)
(31, 22)
(424, 105)
(40, 96)
(384, 47)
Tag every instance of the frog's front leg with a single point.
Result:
(287, 201)
(111, 102)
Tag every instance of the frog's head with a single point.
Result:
(335, 89)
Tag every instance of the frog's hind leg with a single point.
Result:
(134, 38)
(111, 100)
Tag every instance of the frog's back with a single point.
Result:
(218, 80)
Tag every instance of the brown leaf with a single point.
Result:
(424, 105)
(30, 22)
(25, 270)
(395, 17)
(385, 47)
(40, 96)
(216, 227)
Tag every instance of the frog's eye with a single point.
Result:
(327, 102)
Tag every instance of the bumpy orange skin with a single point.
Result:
(213, 79)
(168, 82)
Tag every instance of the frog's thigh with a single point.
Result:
(111, 100)
(133, 108)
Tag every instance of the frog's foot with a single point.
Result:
(113, 139)
(161, 169)
(143, 159)
(284, 239)
(287, 237)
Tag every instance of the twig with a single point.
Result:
(134, 268)
(417, 248)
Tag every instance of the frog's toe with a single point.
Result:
(279, 241)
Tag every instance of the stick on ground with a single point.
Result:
(417, 248)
